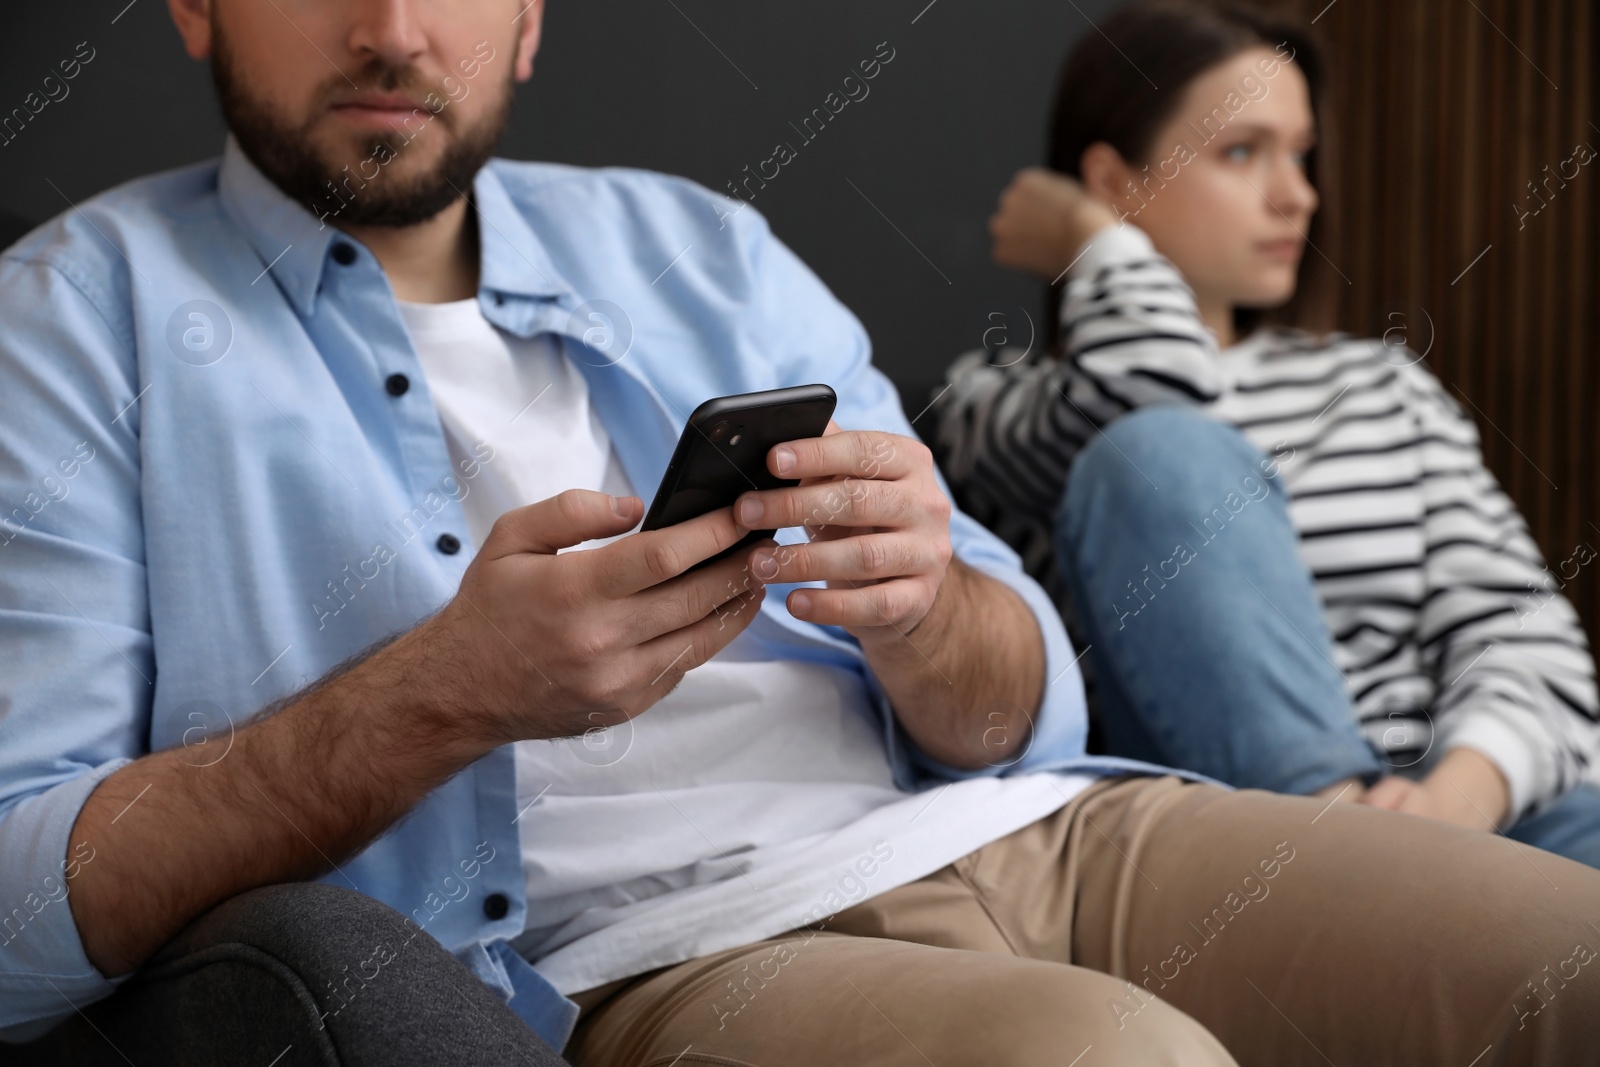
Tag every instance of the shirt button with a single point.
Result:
(449, 544)
(499, 299)
(344, 254)
(495, 906)
(397, 384)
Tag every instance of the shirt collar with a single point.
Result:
(293, 244)
(512, 261)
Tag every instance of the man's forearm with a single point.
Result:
(315, 781)
(967, 681)
(298, 791)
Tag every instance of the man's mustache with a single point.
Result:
(379, 76)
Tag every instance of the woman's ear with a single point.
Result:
(1105, 174)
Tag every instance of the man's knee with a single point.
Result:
(354, 957)
(1068, 1010)
(305, 924)
(330, 967)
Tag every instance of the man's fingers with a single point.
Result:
(899, 602)
(651, 557)
(687, 599)
(672, 655)
(561, 521)
(847, 502)
(859, 558)
(849, 454)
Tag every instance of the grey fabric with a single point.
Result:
(291, 975)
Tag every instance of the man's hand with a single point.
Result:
(534, 645)
(1466, 789)
(1043, 220)
(879, 526)
(959, 654)
(546, 645)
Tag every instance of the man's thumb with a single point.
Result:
(566, 519)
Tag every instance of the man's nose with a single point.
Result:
(389, 30)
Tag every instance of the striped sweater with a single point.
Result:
(1448, 627)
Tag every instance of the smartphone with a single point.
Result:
(723, 453)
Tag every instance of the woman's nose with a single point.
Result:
(1293, 191)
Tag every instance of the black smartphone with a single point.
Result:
(723, 453)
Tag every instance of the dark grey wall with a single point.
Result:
(695, 87)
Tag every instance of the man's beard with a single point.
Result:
(286, 156)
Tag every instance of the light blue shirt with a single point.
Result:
(211, 498)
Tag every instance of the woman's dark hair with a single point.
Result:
(1105, 94)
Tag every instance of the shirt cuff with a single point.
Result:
(1112, 246)
(44, 972)
(1529, 773)
(1060, 726)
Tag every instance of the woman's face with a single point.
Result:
(1224, 194)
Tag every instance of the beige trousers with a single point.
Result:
(1156, 921)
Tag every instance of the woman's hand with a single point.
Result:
(1042, 222)
(1466, 789)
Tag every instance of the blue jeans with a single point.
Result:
(1207, 640)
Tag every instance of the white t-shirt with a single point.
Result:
(754, 798)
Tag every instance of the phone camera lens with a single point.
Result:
(719, 431)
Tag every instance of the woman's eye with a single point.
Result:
(1239, 153)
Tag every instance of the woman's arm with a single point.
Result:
(1007, 435)
(1515, 675)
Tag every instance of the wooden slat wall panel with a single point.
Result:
(1446, 110)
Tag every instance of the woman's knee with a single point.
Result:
(1157, 460)
(1570, 828)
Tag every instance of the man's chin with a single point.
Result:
(373, 180)
(352, 174)
(342, 148)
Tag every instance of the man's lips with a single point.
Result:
(384, 110)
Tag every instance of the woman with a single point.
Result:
(1280, 548)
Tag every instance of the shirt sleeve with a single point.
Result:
(815, 338)
(1008, 429)
(74, 617)
(1515, 677)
